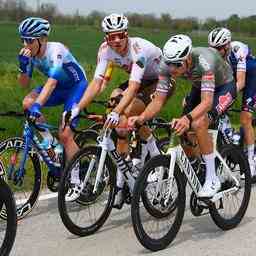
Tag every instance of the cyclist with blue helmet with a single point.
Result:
(66, 80)
(243, 64)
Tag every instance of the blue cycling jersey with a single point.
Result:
(58, 63)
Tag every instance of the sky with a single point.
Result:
(201, 9)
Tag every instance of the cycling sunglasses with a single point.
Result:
(175, 64)
(27, 40)
(112, 36)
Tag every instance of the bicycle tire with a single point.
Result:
(17, 143)
(145, 239)
(236, 155)
(66, 219)
(7, 200)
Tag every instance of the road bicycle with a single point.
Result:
(157, 228)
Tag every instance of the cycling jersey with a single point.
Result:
(58, 63)
(208, 71)
(141, 61)
(240, 57)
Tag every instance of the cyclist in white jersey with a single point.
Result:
(243, 64)
(66, 79)
(138, 57)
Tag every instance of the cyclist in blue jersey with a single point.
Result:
(243, 64)
(66, 81)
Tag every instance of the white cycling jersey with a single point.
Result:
(239, 51)
(141, 61)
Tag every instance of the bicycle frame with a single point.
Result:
(107, 147)
(32, 141)
(179, 156)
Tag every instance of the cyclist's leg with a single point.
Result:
(246, 116)
(73, 96)
(27, 103)
(223, 98)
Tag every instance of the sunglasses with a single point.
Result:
(175, 64)
(112, 36)
(27, 40)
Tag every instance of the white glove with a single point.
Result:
(112, 119)
(75, 110)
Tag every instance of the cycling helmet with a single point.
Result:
(219, 37)
(33, 27)
(114, 22)
(177, 49)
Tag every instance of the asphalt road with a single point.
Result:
(43, 234)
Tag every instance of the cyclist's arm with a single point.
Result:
(91, 92)
(128, 96)
(154, 106)
(240, 80)
(46, 91)
(204, 106)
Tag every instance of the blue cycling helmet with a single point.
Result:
(33, 27)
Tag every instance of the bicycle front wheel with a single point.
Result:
(27, 191)
(89, 212)
(158, 204)
(8, 227)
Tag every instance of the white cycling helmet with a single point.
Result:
(177, 49)
(219, 37)
(114, 22)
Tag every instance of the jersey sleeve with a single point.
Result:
(57, 59)
(240, 53)
(208, 76)
(165, 83)
(102, 63)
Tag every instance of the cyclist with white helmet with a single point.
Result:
(213, 91)
(65, 84)
(140, 59)
(243, 64)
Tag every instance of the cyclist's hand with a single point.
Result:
(112, 120)
(133, 120)
(24, 59)
(34, 111)
(74, 112)
(180, 125)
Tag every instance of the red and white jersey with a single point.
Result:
(141, 61)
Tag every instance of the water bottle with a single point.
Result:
(236, 138)
(229, 134)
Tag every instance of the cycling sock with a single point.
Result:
(119, 178)
(144, 152)
(210, 167)
(152, 147)
(75, 178)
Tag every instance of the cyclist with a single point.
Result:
(243, 64)
(138, 57)
(213, 91)
(65, 84)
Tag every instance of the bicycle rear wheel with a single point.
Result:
(228, 212)
(89, 212)
(157, 226)
(8, 227)
(27, 193)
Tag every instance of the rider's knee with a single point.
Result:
(136, 107)
(27, 102)
(246, 118)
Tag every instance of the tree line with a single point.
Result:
(16, 10)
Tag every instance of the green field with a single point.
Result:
(83, 42)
